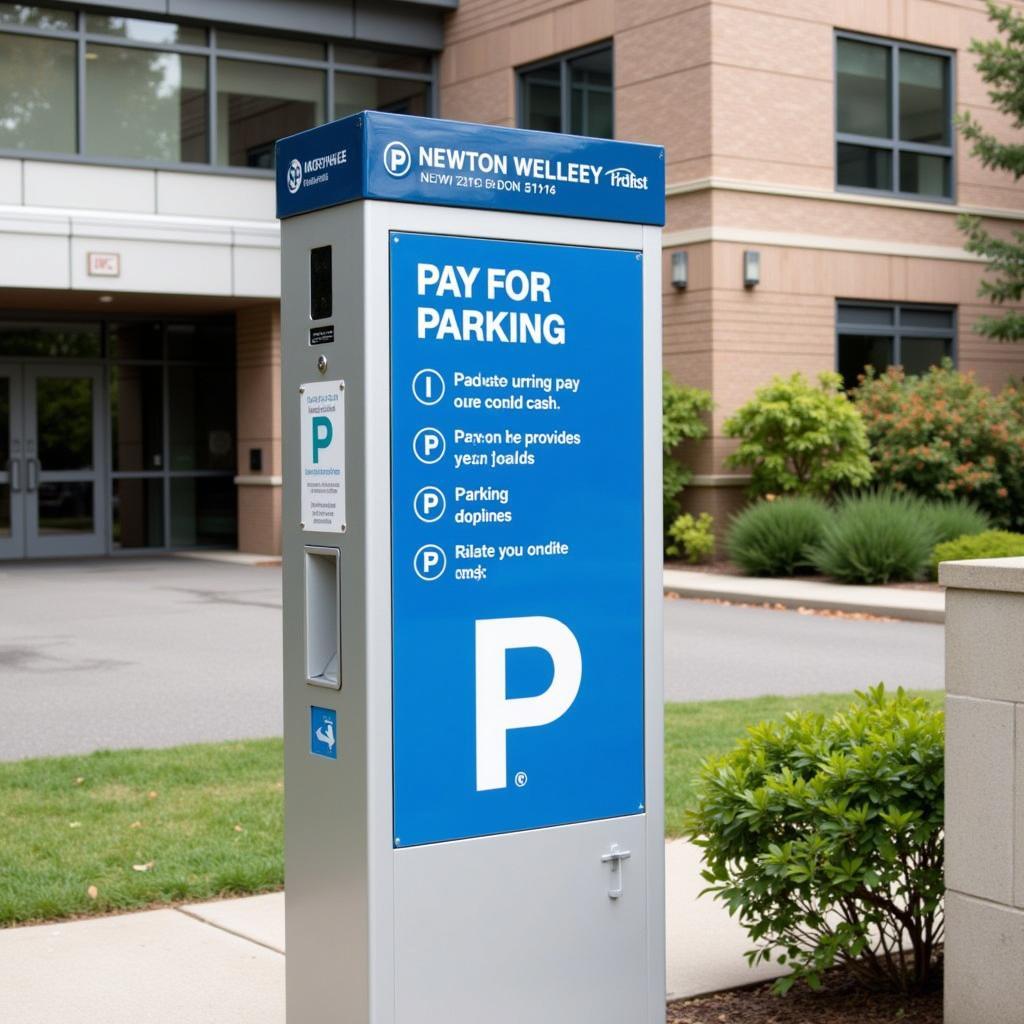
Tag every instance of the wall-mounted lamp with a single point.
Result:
(680, 270)
(751, 268)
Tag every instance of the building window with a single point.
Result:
(883, 334)
(894, 118)
(136, 90)
(572, 94)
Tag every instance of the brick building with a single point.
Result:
(814, 179)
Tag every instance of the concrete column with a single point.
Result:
(258, 348)
(984, 791)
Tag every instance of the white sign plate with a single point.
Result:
(323, 456)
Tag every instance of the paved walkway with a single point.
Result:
(897, 602)
(223, 963)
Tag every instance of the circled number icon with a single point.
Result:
(428, 387)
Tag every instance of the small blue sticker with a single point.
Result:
(323, 732)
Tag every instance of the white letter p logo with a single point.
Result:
(496, 714)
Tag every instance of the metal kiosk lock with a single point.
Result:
(471, 364)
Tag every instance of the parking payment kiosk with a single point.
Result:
(471, 419)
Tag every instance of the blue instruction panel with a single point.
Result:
(517, 535)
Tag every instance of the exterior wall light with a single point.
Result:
(751, 268)
(680, 270)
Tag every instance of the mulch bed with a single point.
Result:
(839, 1002)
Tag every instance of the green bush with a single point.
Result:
(879, 537)
(824, 835)
(690, 538)
(775, 538)
(801, 439)
(991, 544)
(942, 434)
(956, 518)
(683, 417)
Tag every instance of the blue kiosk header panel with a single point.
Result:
(448, 163)
(517, 535)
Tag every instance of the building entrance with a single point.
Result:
(51, 493)
(116, 436)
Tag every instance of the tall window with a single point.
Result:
(894, 117)
(572, 94)
(883, 334)
(148, 91)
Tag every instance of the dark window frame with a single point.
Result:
(211, 51)
(896, 330)
(894, 145)
(564, 82)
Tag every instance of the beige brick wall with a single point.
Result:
(258, 341)
(741, 94)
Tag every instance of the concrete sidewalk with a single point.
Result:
(223, 963)
(893, 602)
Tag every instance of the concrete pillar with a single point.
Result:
(984, 791)
(258, 356)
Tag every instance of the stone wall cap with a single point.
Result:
(1006, 574)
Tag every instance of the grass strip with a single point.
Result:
(127, 829)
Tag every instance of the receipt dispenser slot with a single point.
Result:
(323, 618)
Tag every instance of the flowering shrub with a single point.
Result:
(942, 434)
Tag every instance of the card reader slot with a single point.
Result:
(322, 570)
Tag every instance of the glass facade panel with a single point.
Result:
(251, 42)
(145, 104)
(353, 93)
(65, 507)
(864, 89)
(542, 99)
(919, 354)
(57, 340)
(32, 16)
(5, 510)
(37, 94)
(857, 351)
(864, 167)
(137, 513)
(935, 318)
(260, 103)
(5, 422)
(924, 98)
(143, 30)
(208, 341)
(203, 512)
(391, 59)
(591, 96)
(136, 418)
(925, 174)
(138, 339)
(885, 315)
(202, 417)
(64, 423)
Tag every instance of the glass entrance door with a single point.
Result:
(12, 465)
(52, 493)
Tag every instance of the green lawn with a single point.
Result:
(204, 821)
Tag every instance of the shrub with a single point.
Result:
(683, 417)
(948, 520)
(775, 538)
(825, 837)
(801, 439)
(878, 537)
(690, 538)
(991, 544)
(943, 435)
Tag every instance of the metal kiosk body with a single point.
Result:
(471, 376)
